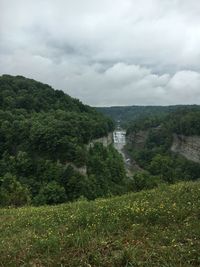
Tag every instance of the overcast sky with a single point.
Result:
(122, 52)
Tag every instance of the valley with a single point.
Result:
(79, 188)
(100, 133)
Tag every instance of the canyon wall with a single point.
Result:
(105, 140)
(187, 146)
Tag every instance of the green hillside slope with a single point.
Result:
(129, 114)
(151, 140)
(42, 132)
(152, 228)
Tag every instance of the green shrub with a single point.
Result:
(143, 180)
(51, 193)
(12, 192)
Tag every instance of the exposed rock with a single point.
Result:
(187, 146)
(106, 140)
(82, 170)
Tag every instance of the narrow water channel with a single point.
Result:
(119, 140)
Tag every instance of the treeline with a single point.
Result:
(185, 122)
(129, 114)
(154, 155)
(145, 123)
(27, 181)
(43, 130)
(56, 135)
(46, 122)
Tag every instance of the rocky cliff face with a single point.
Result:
(187, 146)
(106, 140)
(82, 170)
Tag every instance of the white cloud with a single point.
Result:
(104, 52)
(184, 87)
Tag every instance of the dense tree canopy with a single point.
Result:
(42, 131)
(155, 155)
(130, 114)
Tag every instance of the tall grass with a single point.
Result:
(159, 227)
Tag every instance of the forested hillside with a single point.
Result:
(43, 130)
(150, 142)
(44, 137)
(129, 114)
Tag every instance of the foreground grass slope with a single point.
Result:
(160, 227)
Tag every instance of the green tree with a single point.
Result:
(144, 180)
(12, 192)
(162, 166)
(51, 193)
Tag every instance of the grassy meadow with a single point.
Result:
(159, 227)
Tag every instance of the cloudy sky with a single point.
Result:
(122, 52)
